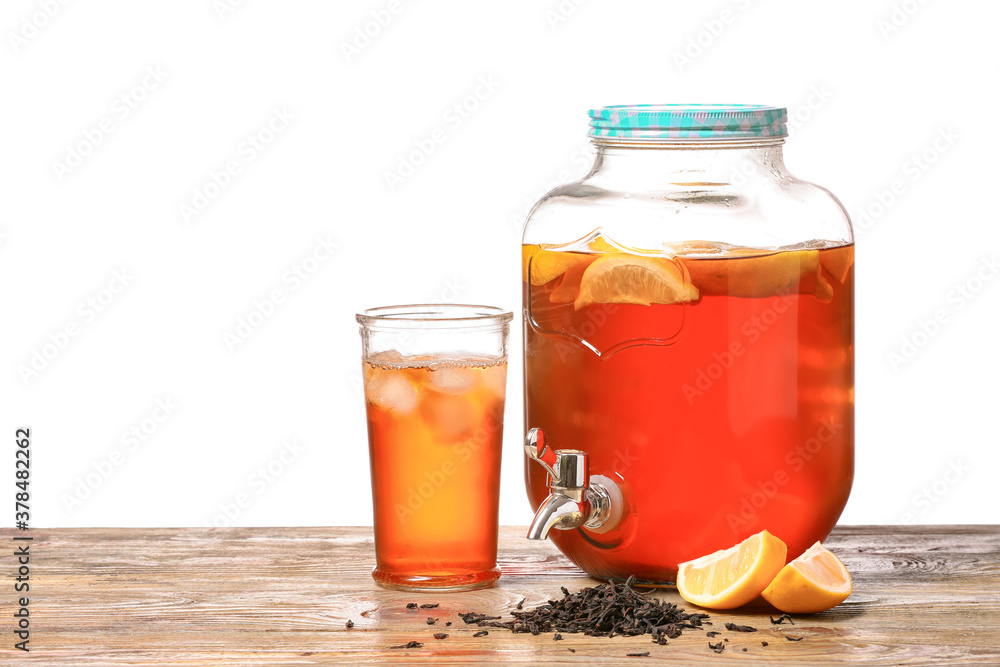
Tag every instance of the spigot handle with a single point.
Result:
(567, 468)
(538, 451)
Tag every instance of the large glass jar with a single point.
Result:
(688, 311)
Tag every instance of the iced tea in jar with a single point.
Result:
(688, 321)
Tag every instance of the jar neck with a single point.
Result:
(633, 166)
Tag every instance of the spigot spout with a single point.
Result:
(557, 511)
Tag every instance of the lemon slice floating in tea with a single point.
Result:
(751, 273)
(543, 266)
(813, 582)
(731, 578)
(633, 279)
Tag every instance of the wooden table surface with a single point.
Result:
(263, 596)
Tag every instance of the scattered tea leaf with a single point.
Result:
(713, 634)
(448, 623)
(781, 619)
(432, 621)
(481, 633)
(472, 617)
(637, 655)
(733, 627)
(440, 635)
(794, 639)
(430, 605)
(763, 643)
(718, 648)
(520, 605)
(411, 605)
(349, 624)
(410, 644)
(557, 637)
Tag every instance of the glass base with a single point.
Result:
(436, 583)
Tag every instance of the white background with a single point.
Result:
(869, 84)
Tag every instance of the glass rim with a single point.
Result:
(436, 315)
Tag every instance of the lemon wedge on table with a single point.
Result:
(813, 582)
(730, 578)
(634, 279)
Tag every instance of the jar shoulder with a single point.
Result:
(765, 213)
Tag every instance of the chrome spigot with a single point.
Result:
(575, 499)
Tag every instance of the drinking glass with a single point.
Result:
(434, 383)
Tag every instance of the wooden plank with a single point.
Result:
(256, 596)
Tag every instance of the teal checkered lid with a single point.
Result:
(693, 122)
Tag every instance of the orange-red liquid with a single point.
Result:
(734, 415)
(434, 433)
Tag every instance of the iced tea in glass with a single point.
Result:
(434, 384)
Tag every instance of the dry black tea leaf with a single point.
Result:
(794, 639)
(349, 624)
(732, 627)
(763, 643)
(600, 611)
(440, 635)
(520, 605)
(410, 644)
(668, 630)
(557, 637)
(718, 648)
(481, 633)
(713, 634)
(472, 617)
(411, 605)
(781, 619)
(432, 621)
(429, 605)
(637, 655)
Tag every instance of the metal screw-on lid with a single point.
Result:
(701, 122)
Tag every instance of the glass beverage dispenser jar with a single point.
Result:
(689, 345)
